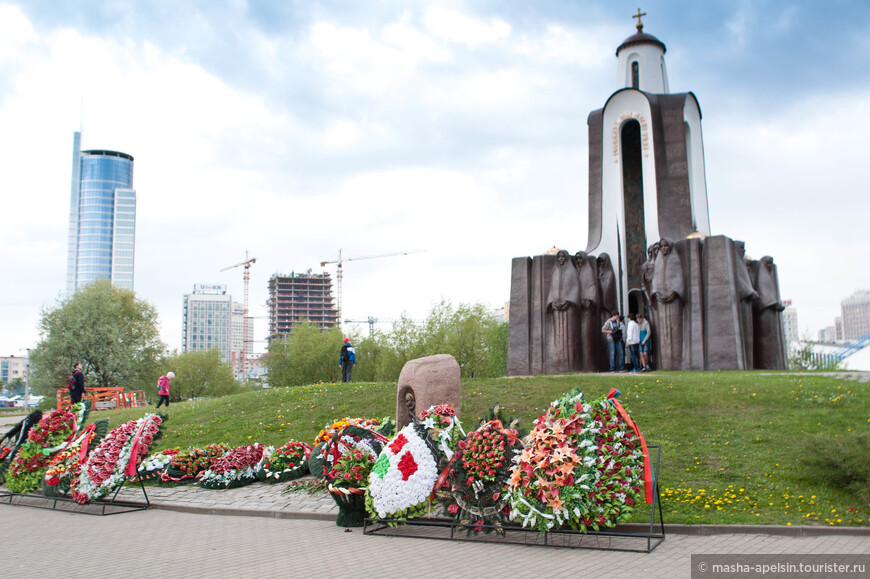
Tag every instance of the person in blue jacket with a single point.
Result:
(346, 360)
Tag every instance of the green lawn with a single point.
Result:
(734, 444)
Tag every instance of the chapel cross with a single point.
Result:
(639, 23)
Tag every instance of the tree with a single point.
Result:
(468, 328)
(111, 332)
(16, 387)
(496, 350)
(305, 356)
(198, 374)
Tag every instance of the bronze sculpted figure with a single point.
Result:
(746, 295)
(590, 298)
(668, 294)
(646, 273)
(770, 352)
(607, 283)
(563, 306)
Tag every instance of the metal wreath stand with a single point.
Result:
(632, 537)
(69, 505)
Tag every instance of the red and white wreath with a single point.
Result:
(402, 479)
(117, 457)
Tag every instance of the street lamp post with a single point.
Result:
(27, 383)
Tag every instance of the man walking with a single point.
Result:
(76, 384)
(346, 360)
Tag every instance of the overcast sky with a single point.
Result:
(293, 129)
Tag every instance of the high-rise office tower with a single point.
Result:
(207, 320)
(102, 218)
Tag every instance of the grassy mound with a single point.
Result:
(737, 447)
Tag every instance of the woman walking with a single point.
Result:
(163, 388)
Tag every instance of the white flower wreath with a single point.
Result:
(403, 476)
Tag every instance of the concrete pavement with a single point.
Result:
(168, 543)
(257, 531)
(192, 532)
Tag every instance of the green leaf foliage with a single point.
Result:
(307, 355)
(466, 332)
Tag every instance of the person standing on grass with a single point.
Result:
(346, 360)
(163, 388)
(632, 339)
(76, 384)
(645, 343)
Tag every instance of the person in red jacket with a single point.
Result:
(163, 388)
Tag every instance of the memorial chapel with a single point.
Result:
(649, 249)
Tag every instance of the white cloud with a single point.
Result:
(581, 47)
(374, 65)
(459, 28)
(429, 127)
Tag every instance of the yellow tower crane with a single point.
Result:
(339, 275)
(245, 338)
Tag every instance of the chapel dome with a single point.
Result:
(641, 38)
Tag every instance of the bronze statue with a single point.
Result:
(590, 298)
(746, 295)
(646, 273)
(769, 343)
(563, 307)
(607, 283)
(668, 294)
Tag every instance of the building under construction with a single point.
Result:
(298, 297)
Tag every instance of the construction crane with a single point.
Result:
(341, 260)
(371, 322)
(245, 338)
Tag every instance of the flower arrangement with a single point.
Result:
(62, 469)
(383, 426)
(286, 463)
(581, 468)
(238, 467)
(155, 465)
(348, 461)
(478, 477)
(191, 463)
(52, 434)
(115, 459)
(330, 430)
(444, 428)
(403, 477)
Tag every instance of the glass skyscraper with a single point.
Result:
(102, 218)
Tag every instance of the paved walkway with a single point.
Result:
(170, 544)
(192, 532)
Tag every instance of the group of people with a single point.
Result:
(76, 382)
(76, 386)
(637, 335)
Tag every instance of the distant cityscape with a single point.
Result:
(102, 243)
(852, 323)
